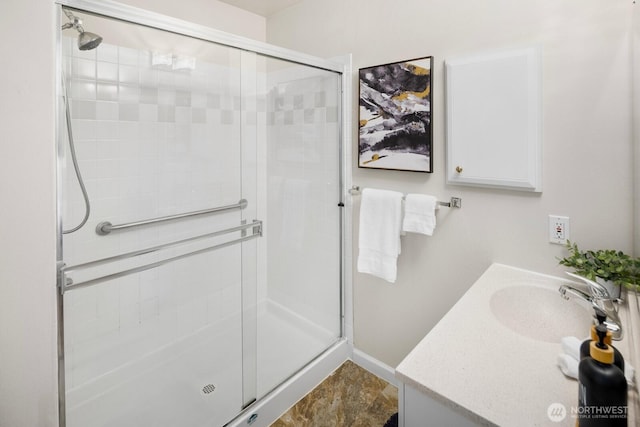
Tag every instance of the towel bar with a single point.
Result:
(454, 202)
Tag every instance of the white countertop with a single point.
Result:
(473, 363)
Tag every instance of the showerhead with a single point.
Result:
(86, 40)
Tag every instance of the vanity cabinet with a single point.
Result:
(493, 120)
(417, 409)
(491, 360)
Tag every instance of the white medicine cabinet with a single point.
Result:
(494, 120)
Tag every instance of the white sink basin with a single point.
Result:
(540, 313)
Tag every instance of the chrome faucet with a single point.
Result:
(600, 299)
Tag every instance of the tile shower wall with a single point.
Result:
(303, 194)
(151, 141)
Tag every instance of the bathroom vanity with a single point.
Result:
(491, 360)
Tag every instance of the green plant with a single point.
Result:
(608, 264)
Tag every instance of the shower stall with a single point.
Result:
(200, 216)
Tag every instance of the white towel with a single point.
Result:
(379, 241)
(571, 346)
(569, 360)
(419, 214)
(568, 365)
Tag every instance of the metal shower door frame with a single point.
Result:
(138, 16)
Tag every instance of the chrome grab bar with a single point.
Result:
(106, 227)
(68, 284)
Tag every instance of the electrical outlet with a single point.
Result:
(559, 230)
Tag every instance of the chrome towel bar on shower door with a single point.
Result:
(67, 283)
(106, 227)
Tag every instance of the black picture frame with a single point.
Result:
(395, 129)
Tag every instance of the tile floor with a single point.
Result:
(351, 397)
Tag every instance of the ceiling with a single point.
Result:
(262, 7)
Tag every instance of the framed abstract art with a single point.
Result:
(395, 130)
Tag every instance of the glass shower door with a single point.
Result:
(157, 314)
(174, 315)
(299, 298)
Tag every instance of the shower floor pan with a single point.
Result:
(198, 381)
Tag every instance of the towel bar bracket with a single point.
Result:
(454, 202)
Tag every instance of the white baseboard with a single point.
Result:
(375, 366)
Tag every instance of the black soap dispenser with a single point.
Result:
(585, 348)
(602, 392)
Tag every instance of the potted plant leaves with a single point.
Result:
(611, 268)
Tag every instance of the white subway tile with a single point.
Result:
(107, 91)
(83, 109)
(166, 96)
(149, 308)
(149, 77)
(83, 69)
(182, 80)
(129, 288)
(106, 110)
(108, 298)
(148, 95)
(127, 56)
(107, 188)
(148, 112)
(105, 168)
(108, 322)
(106, 129)
(149, 130)
(128, 112)
(107, 71)
(128, 131)
(166, 113)
(129, 316)
(128, 75)
(166, 79)
(107, 52)
(144, 59)
(109, 149)
(83, 89)
(129, 94)
(183, 115)
(85, 150)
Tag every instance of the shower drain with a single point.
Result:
(209, 388)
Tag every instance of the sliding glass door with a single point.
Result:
(200, 246)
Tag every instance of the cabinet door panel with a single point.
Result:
(494, 120)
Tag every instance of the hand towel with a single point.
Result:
(629, 373)
(379, 240)
(568, 365)
(571, 346)
(569, 360)
(419, 214)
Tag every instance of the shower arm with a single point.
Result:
(75, 22)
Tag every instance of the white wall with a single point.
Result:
(587, 143)
(636, 124)
(27, 232)
(28, 377)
